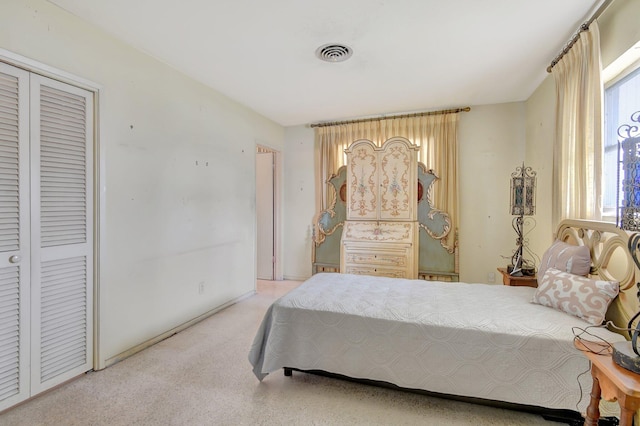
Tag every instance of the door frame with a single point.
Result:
(277, 211)
(99, 180)
(265, 231)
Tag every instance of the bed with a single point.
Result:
(480, 341)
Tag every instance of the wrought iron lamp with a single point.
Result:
(523, 203)
(626, 354)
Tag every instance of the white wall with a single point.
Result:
(299, 201)
(492, 143)
(619, 29)
(178, 186)
(539, 154)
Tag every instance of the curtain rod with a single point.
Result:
(576, 36)
(417, 114)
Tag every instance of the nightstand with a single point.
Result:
(529, 281)
(611, 383)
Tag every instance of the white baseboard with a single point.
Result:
(295, 278)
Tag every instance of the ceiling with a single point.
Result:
(408, 55)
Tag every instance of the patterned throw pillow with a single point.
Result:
(576, 295)
(567, 258)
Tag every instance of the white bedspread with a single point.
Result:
(475, 340)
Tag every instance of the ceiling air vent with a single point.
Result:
(334, 52)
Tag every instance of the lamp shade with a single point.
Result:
(523, 192)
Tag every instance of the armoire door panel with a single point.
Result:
(396, 182)
(14, 236)
(362, 181)
(62, 224)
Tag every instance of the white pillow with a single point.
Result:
(576, 295)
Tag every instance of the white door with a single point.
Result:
(61, 232)
(49, 252)
(264, 213)
(14, 236)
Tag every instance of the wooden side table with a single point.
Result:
(611, 383)
(530, 281)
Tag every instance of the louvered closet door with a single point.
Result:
(14, 235)
(61, 228)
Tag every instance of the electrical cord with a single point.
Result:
(593, 343)
(587, 371)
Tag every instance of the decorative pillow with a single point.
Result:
(576, 295)
(567, 258)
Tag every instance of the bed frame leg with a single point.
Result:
(288, 372)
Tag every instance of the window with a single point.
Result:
(621, 100)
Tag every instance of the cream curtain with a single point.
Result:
(577, 171)
(435, 134)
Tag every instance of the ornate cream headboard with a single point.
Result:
(610, 260)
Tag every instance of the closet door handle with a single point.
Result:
(15, 259)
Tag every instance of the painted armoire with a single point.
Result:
(380, 233)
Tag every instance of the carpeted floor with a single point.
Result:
(201, 376)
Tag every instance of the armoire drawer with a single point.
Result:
(377, 271)
(397, 259)
(380, 231)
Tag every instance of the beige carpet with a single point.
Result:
(201, 376)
